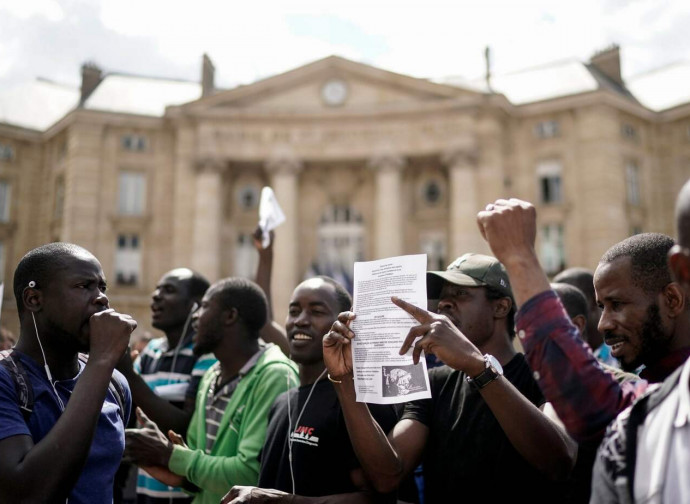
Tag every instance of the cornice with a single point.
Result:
(675, 113)
(19, 133)
(103, 118)
(582, 100)
(389, 111)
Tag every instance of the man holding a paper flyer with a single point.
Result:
(482, 425)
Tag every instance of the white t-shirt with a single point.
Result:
(663, 449)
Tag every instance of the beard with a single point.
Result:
(207, 343)
(653, 341)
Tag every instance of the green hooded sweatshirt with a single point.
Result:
(234, 457)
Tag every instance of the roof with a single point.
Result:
(658, 90)
(662, 88)
(540, 83)
(141, 95)
(38, 104)
(41, 103)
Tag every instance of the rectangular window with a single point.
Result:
(552, 252)
(433, 244)
(6, 152)
(5, 199)
(127, 259)
(132, 199)
(246, 258)
(136, 143)
(550, 187)
(632, 181)
(547, 129)
(59, 205)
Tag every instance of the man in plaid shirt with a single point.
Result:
(644, 320)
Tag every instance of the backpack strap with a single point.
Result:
(115, 388)
(650, 400)
(23, 388)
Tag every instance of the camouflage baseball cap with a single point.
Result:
(470, 270)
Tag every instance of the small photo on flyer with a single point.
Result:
(402, 380)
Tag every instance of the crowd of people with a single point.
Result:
(227, 405)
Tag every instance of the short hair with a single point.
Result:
(493, 294)
(246, 297)
(198, 285)
(40, 264)
(647, 253)
(573, 299)
(581, 278)
(342, 297)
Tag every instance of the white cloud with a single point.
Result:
(25, 9)
(256, 39)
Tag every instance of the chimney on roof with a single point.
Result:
(91, 76)
(608, 62)
(208, 75)
(487, 62)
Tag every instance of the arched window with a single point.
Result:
(340, 244)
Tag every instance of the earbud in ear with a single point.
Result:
(32, 284)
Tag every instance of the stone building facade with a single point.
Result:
(151, 174)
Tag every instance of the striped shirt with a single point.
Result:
(217, 400)
(174, 374)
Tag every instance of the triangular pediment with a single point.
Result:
(329, 84)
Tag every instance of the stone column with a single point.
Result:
(464, 203)
(83, 179)
(284, 174)
(389, 220)
(181, 221)
(208, 215)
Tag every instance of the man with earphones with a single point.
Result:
(307, 455)
(165, 377)
(70, 445)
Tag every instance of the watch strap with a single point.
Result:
(484, 378)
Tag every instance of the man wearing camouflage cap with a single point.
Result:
(481, 436)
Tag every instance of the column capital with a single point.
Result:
(288, 165)
(210, 165)
(387, 163)
(460, 157)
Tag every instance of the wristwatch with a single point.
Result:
(492, 372)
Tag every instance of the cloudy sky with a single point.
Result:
(249, 40)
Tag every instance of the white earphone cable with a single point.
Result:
(299, 417)
(182, 337)
(45, 365)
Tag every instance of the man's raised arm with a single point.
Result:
(585, 397)
(271, 332)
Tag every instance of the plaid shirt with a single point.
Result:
(585, 396)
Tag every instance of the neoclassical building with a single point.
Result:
(151, 174)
